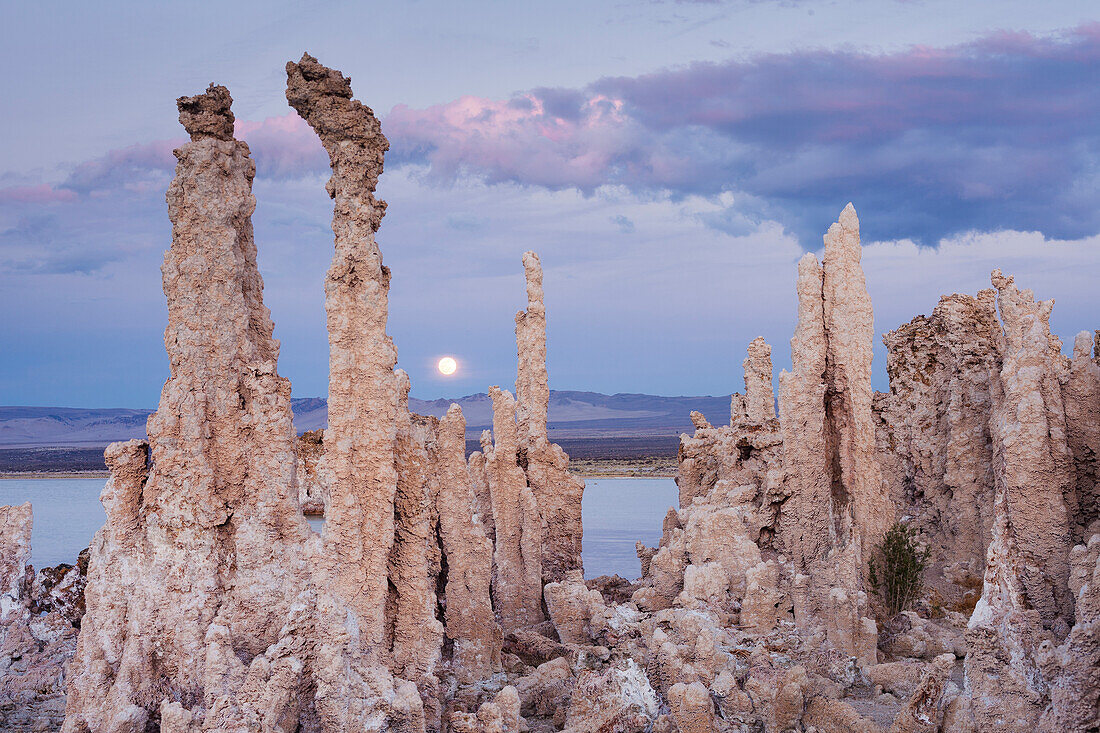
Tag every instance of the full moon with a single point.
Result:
(447, 366)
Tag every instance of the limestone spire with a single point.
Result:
(759, 398)
(802, 418)
(849, 329)
(469, 553)
(532, 382)
(363, 389)
(517, 587)
(557, 493)
(185, 555)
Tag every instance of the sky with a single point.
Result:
(669, 161)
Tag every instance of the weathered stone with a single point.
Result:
(934, 424)
(187, 554)
(469, 556)
(620, 700)
(363, 390)
(310, 448)
(1081, 398)
(925, 710)
(557, 492)
(692, 709)
(517, 581)
(849, 329)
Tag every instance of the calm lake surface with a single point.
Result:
(67, 514)
(617, 512)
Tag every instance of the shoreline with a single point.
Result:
(591, 474)
(54, 474)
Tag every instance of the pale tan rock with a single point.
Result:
(620, 700)
(692, 709)
(759, 399)
(499, 716)
(1036, 467)
(517, 579)
(826, 715)
(934, 425)
(572, 608)
(189, 546)
(734, 703)
(909, 635)
(469, 555)
(543, 691)
(411, 611)
(206, 587)
(925, 710)
(479, 481)
(900, 678)
(763, 604)
(363, 389)
(1003, 680)
(36, 642)
(778, 695)
(310, 448)
(1081, 397)
(532, 381)
(557, 492)
(802, 413)
(1073, 668)
(61, 589)
(15, 555)
(849, 326)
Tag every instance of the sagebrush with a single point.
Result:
(896, 568)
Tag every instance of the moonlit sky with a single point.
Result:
(669, 161)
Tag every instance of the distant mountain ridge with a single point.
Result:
(572, 415)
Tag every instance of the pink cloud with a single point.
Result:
(283, 147)
(43, 193)
(518, 139)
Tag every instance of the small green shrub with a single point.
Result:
(896, 566)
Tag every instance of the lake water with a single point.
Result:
(616, 511)
(67, 514)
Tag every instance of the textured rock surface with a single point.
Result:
(1073, 668)
(557, 492)
(210, 602)
(15, 555)
(468, 553)
(187, 554)
(1035, 479)
(1081, 397)
(1026, 601)
(37, 633)
(311, 493)
(363, 388)
(802, 411)
(849, 329)
(934, 427)
(517, 558)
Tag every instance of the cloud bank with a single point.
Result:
(669, 209)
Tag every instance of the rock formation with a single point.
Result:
(517, 559)
(468, 553)
(39, 618)
(850, 434)
(204, 551)
(363, 388)
(805, 488)
(934, 429)
(557, 492)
